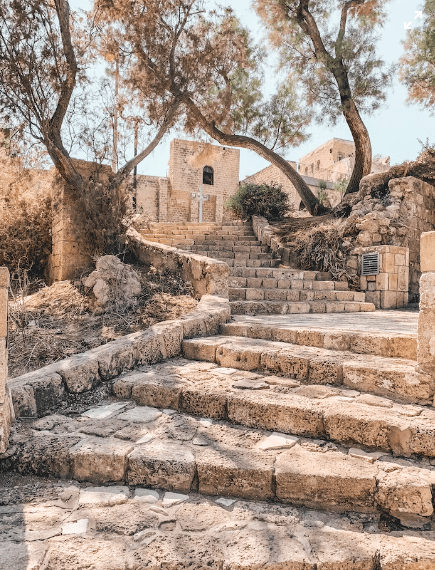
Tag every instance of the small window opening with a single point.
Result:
(208, 175)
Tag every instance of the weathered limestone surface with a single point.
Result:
(397, 378)
(6, 412)
(57, 530)
(389, 289)
(388, 334)
(426, 321)
(207, 276)
(35, 393)
(178, 452)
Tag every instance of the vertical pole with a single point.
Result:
(115, 119)
(200, 204)
(136, 128)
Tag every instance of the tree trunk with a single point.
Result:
(308, 198)
(363, 147)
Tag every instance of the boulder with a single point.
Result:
(113, 282)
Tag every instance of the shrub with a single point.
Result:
(25, 233)
(259, 200)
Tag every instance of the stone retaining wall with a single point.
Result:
(36, 393)
(207, 276)
(396, 216)
(426, 318)
(6, 416)
(389, 288)
(266, 235)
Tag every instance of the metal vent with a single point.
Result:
(370, 264)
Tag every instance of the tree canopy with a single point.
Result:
(208, 61)
(330, 46)
(417, 66)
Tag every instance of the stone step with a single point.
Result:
(386, 344)
(339, 414)
(223, 254)
(293, 307)
(223, 246)
(287, 273)
(117, 527)
(250, 262)
(150, 447)
(294, 295)
(392, 377)
(228, 243)
(281, 283)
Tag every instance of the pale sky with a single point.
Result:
(394, 129)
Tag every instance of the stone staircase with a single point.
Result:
(246, 452)
(257, 285)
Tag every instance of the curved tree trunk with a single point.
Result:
(308, 198)
(363, 146)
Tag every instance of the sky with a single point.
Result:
(395, 128)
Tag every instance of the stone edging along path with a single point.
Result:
(36, 392)
(208, 276)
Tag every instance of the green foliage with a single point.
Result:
(417, 70)
(322, 184)
(25, 234)
(259, 200)
(322, 196)
(341, 185)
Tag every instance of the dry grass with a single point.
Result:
(57, 321)
(320, 244)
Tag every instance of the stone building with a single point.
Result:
(191, 165)
(328, 163)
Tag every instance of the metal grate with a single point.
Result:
(370, 264)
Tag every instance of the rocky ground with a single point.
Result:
(59, 321)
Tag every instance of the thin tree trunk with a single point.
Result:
(308, 198)
(363, 147)
(169, 121)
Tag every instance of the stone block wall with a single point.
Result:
(397, 218)
(5, 402)
(388, 289)
(273, 175)
(426, 318)
(207, 276)
(70, 242)
(169, 199)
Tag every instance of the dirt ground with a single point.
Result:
(59, 321)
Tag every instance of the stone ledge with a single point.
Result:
(36, 392)
(207, 276)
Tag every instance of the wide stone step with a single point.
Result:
(226, 243)
(296, 295)
(395, 378)
(293, 307)
(286, 273)
(221, 254)
(117, 527)
(386, 344)
(150, 447)
(230, 248)
(340, 414)
(286, 283)
(258, 263)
